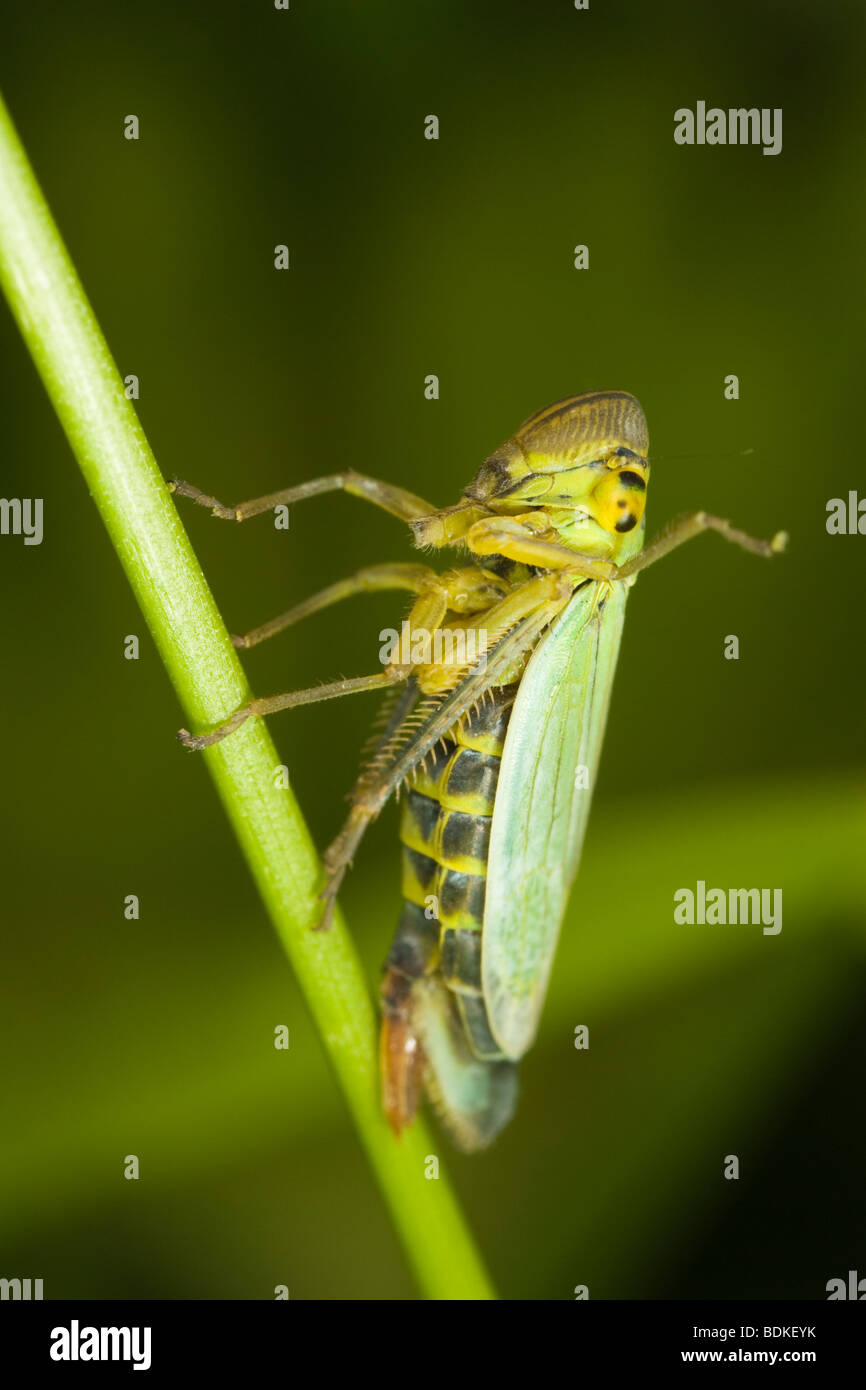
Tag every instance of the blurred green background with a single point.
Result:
(411, 257)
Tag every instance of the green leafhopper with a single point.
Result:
(496, 740)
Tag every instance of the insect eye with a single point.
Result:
(628, 479)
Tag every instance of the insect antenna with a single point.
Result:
(703, 454)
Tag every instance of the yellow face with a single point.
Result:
(618, 502)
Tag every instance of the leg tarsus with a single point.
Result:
(196, 742)
(194, 494)
(328, 899)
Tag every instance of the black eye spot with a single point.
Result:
(634, 480)
(626, 523)
(621, 502)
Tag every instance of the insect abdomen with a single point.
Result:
(445, 831)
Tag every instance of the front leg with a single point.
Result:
(684, 528)
(526, 539)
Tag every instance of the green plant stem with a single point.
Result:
(85, 388)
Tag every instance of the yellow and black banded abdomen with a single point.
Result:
(445, 832)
